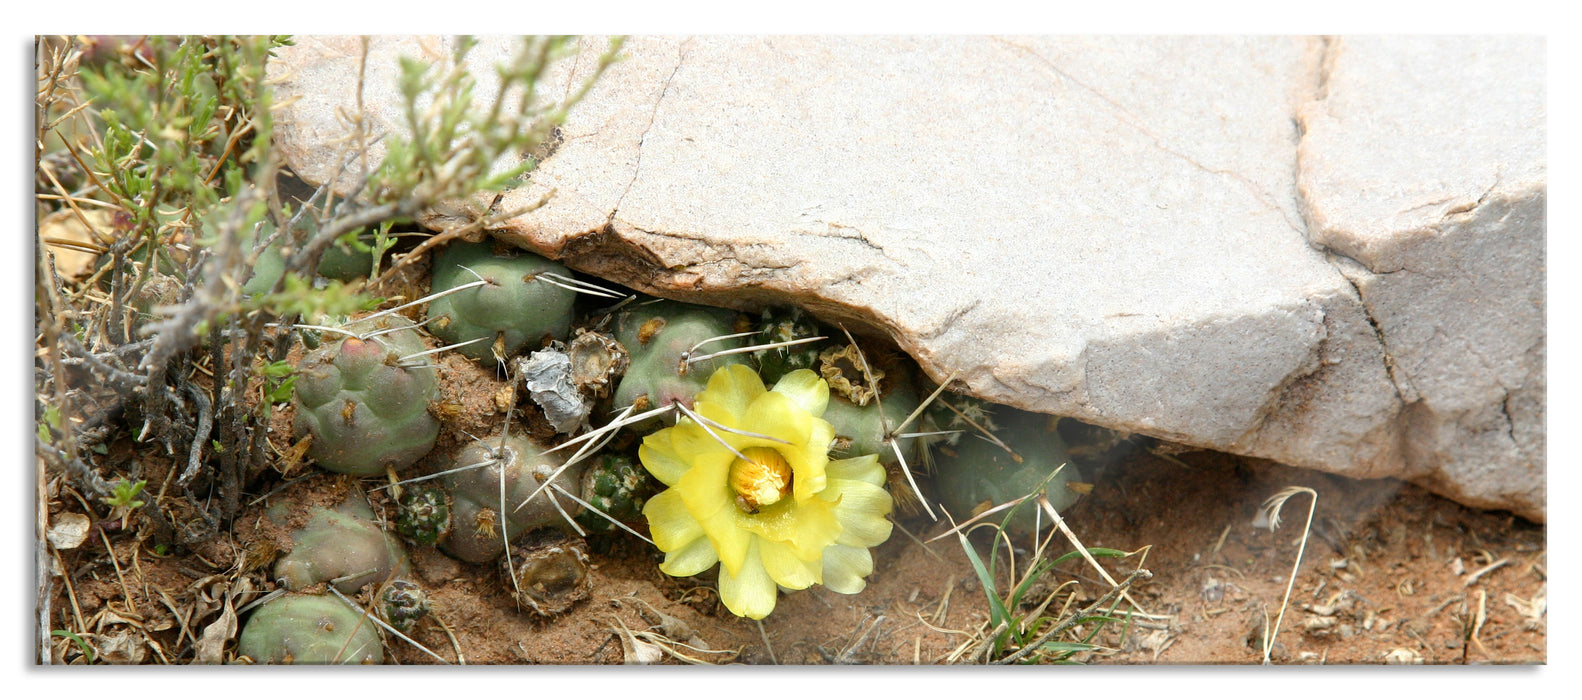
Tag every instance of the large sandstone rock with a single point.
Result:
(1135, 232)
(1423, 170)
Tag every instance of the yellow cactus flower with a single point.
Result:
(771, 512)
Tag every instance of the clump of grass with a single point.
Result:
(1039, 635)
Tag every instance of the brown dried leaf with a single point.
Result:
(69, 530)
(211, 646)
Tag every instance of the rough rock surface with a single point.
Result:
(1326, 253)
(1423, 171)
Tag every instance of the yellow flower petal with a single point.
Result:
(810, 471)
(861, 509)
(730, 391)
(658, 455)
(777, 416)
(693, 559)
(807, 527)
(845, 568)
(785, 568)
(669, 522)
(750, 592)
(691, 440)
(807, 389)
(865, 468)
(708, 498)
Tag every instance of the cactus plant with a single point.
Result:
(658, 335)
(340, 261)
(401, 603)
(976, 473)
(617, 486)
(423, 514)
(342, 545)
(477, 512)
(860, 385)
(366, 409)
(778, 326)
(310, 629)
(514, 309)
(859, 430)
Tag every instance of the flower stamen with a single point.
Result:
(762, 479)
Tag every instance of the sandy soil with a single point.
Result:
(1390, 574)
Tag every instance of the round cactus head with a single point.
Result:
(482, 521)
(343, 260)
(976, 473)
(515, 307)
(401, 603)
(365, 399)
(871, 394)
(659, 335)
(619, 487)
(310, 629)
(342, 546)
(423, 514)
(861, 430)
(779, 326)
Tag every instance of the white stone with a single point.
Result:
(1424, 170)
(1104, 228)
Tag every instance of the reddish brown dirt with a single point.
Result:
(1389, 574)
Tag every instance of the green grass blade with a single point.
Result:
(997, 609)
(1095, 551)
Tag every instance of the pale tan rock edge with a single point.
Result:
(1327, 253)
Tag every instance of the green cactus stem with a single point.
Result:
(401, 603)
(514, 309)
(619, 487)
(310, 629)
(855, 380)
(366, 409)
(423, 514)
(859, 430)
(341, 545)
(975, 474)
(781, 325)
(477, 519)
(659, 335)
(340, 261)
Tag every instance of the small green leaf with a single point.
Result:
(281, 393)
(124, 494)
(277, 369)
